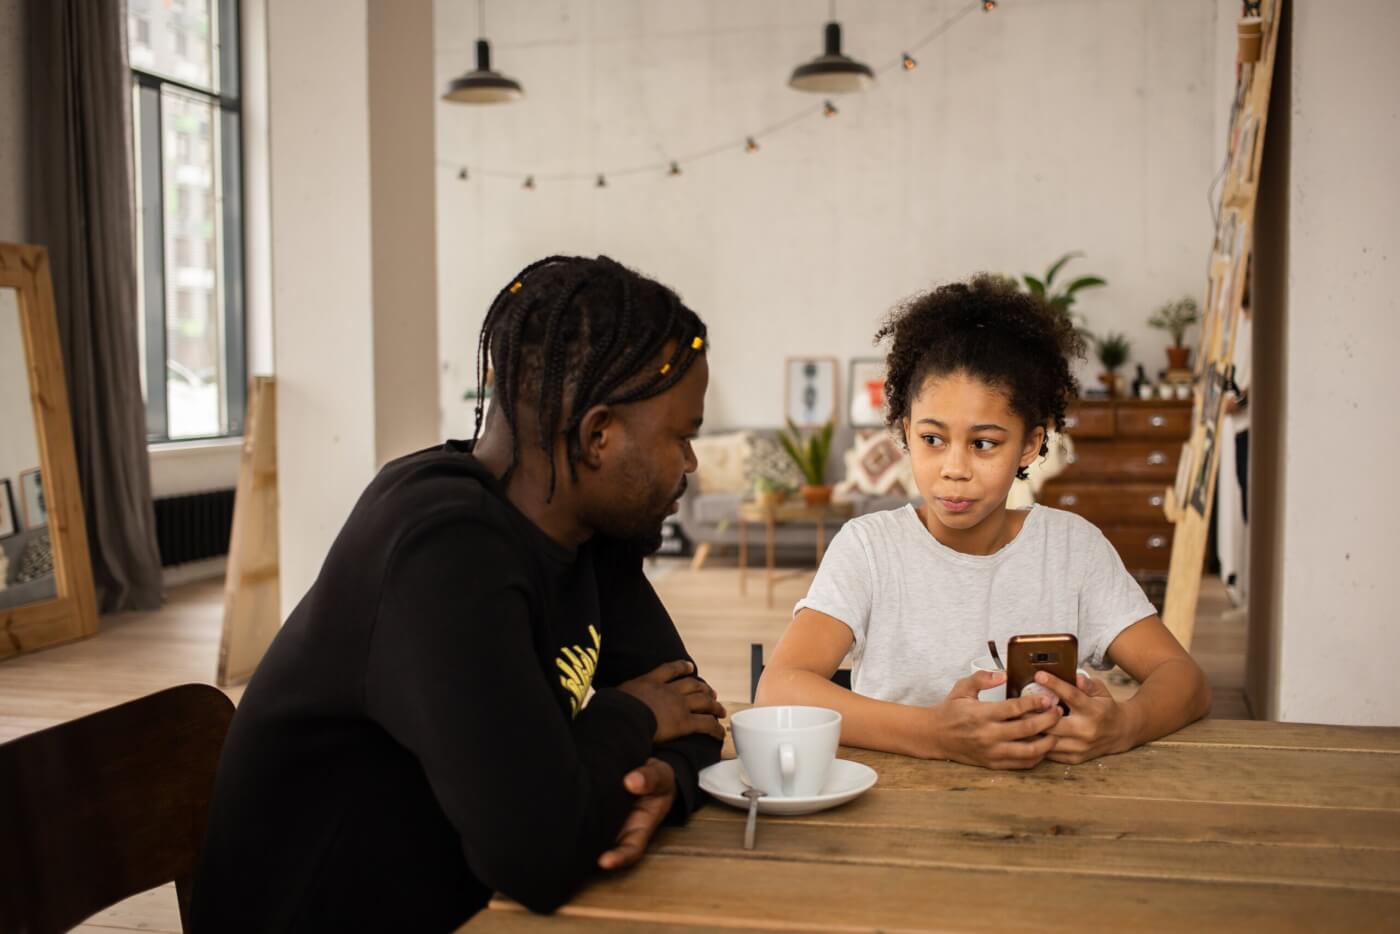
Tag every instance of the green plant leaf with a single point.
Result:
(1034, 286)
(790, 445)
(1084, 282)
(1058, 264)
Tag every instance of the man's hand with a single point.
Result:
(997, 734)
(654, 784)
(682, 705)
(1097, 725)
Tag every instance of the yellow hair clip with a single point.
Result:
(516, 287)
(697, 343)
(665, 369)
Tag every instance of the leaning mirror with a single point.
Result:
(46, 593)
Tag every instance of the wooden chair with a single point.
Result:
(841, 677)
(107, 806)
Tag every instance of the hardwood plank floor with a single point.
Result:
(138, 653)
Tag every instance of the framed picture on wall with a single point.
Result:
(810, 389)
(31, 494)
(9, 524)
(865, 407)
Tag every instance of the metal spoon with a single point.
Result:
(753, 794)
(991, 644)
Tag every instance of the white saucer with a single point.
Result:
(844, 780)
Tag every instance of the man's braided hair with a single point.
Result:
(990, 331)
(572, 332)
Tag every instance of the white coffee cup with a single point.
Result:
(787, 751)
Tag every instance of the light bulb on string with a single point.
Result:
(529, 184)
(989, 5)
(462, 175)
(829, 109)
(602, 182)
(675, 168)
(750, 144)
(909, 63)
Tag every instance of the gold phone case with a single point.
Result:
(1057, 653)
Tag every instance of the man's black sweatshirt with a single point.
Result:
(416, 736)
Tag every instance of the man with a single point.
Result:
(481, 691)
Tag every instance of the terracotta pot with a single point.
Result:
(771, 499)
(1111, 382)
(816, 495)
(1178, 358)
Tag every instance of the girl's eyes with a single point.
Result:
(980, 444)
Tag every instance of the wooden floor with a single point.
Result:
(139, 653)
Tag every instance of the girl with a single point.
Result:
(977, 374)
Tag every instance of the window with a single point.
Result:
(187, 139)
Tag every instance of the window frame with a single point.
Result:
(148, 152)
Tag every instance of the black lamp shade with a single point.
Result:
(482, 85)
(832, 72)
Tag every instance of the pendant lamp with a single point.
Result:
(481, 85)
(832, 72)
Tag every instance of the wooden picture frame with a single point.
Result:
(865, 405)
(31, 493)
(809, 391)
(72, 612)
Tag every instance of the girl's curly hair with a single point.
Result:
(991, 332)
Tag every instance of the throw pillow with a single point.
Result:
(722, 462)
(36, 561)
(768, 459)
(877, 466)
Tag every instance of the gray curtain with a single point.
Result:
(80, 208)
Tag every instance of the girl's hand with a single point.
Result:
(1097, 725)
(994, 734)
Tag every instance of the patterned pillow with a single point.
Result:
(768, 459)
(877, 465)
(36, 561)
(722, 460)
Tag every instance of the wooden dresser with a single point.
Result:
(1125, 456)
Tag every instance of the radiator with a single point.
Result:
(194, 526)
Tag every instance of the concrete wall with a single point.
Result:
(1037, 129)
(1327, 637)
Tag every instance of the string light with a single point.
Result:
(602, 182)
(829, 109)
(750, 144)
(989, 5)
(529, 183)
(908, 62)
(462, 175)
(675, 168)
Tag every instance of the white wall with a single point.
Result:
(1041, 128)
(1336, 637)
(12, 188)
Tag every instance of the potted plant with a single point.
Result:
(1174, 318)
(810, 457)
(1062, 298)
(768, 492)
(1112, 350)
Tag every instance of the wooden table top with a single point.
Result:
(1226, 825)
(796, 510)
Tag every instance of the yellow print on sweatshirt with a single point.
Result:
(578, 665)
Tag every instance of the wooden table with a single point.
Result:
(784, 513)
(1225, 826)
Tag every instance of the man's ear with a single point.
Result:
(594, 430)
(1035, 440)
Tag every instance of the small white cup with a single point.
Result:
(787, 751)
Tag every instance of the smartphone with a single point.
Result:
(1057, 653)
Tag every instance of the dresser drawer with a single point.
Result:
(1089, 421)
(1171, 423)
(1142, 547)
(1123, 461)
(1104, 503)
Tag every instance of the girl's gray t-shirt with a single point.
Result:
(922, 612)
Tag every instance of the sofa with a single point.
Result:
(16, 593)
(867, 468)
